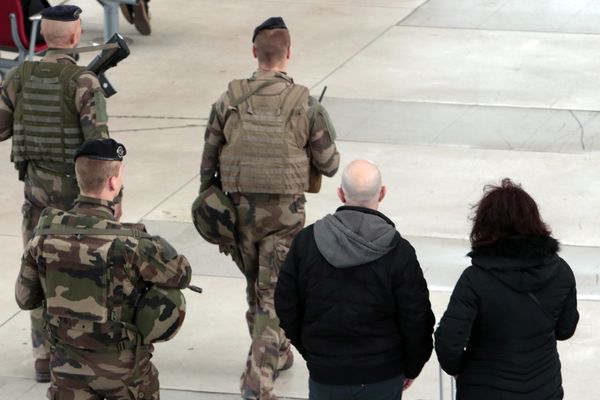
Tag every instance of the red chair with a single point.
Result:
(13, 37)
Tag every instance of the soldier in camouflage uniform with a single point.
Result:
(263, 137)
(90, 271)
(49, 108)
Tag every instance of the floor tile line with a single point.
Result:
(10, 318)
(466, 28)
(170, 196)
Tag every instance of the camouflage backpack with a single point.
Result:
(215, 216)
(160, 314)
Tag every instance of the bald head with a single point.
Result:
(361, 185)
(61, 34)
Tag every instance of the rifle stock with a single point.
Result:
(109, 58)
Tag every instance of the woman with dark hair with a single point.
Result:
(508, 309)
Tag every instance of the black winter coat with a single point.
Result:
(365, 318)
(497, 338)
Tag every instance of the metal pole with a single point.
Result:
(441, 379)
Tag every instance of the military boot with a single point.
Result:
(42, 370)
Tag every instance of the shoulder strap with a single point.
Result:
(245, 96)
(72, 230)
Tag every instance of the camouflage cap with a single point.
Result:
(160, 314)
(215, 216)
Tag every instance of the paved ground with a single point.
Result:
(446, 95)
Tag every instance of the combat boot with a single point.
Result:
(42, 370)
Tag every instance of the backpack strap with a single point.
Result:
(72, 230)
(239, 100)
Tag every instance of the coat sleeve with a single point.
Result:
(569, 316)
(288, 302)
(214, 140)
(28, 289)
(414, 316)
(91, 105)
(454, 330)
(7, 106)
(158, 262)
(324, 154)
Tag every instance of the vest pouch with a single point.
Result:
(78, 287)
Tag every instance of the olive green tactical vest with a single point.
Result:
(46, 123)
(79, 256)
(266, 137)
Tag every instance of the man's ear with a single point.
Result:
(113, 183)
(341, 195)
(382, 193)
(254, 51)
(289, 53)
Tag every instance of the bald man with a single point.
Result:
(49, 108)
(352, 298)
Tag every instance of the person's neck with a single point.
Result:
(275, 68)
(105, 195)
(371, 206)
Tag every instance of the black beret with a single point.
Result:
(271, 23)
(61, 13)
(101, 149)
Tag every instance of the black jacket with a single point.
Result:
(497, 338)
(352, 299)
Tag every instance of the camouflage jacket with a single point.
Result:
(48, 179)
(324, 154)
(91, 283)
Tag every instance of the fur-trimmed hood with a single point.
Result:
(525, 263)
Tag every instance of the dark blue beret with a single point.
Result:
(61, 13)
(101, 149)
(271, 23)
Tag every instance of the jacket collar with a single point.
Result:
(96, 207)
(261, 74)
(58, 58)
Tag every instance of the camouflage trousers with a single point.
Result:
(43, 189)
(267, 226)
(91, 375)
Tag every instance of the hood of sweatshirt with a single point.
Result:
(354, 236)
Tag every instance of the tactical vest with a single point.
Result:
(266, 137)
(46, 123)
(91, 288)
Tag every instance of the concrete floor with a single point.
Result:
(445, 95)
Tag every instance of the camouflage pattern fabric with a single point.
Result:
(79, 375)
(51, 184)
(90, 356)
(267, 226)
(215, 217)
(160, 314)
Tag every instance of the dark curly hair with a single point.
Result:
(505, 211)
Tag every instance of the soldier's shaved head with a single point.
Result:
(93, 175)
(361, 184)
(61, 34)
(271, 47)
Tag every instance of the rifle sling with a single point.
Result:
(71, 230)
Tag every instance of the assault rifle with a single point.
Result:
(114, 51)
